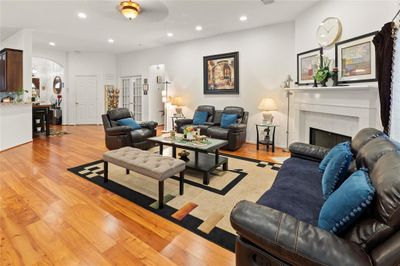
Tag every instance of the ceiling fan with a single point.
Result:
(129, 9)
(145, 11)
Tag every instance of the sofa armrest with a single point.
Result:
(117, 131)
(149, 124)
(209, 124)
(291, 240)
(308, 151)
(184, 121)
(237, 127)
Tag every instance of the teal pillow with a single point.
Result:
(129, 122)
(334, 151)
(336, 172)
(200, 118)
(228, 119)
(347, 203)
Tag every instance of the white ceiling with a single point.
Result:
(57, 21)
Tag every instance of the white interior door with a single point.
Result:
(86, 100)
(132, 88)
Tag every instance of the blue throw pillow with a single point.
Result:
(129, 122)
(347, 203)
(335, 150)
(336, 172)
(228, 119)
(200, 118)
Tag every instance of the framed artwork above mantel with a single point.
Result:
(355, 59)
(221, 73)
(307, 66)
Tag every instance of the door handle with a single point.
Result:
(76, 103)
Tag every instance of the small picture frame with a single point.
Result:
(355, 59)
(307, 66)
(221, 73)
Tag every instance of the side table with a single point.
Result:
(269, 138)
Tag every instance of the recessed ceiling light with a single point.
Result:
(82, 15)
(52, 43)
(170, 34)
(199, 28)
(110, 40)
(243, 18)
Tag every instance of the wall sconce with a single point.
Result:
(145, 87)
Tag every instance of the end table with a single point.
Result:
(174, 118)
(269, 138)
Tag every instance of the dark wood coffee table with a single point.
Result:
(206, 156)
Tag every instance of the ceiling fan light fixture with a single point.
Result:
(129, 9)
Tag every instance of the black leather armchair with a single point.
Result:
(122, 136)
(236, 133)
(181, 124)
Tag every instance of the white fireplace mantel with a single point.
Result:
(344, 110)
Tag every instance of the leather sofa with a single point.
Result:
(122, 136)
(280, 229)
(235, 134)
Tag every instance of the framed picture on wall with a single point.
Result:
(221, 73)
(307, 66)
(355, 59)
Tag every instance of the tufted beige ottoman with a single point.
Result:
(146, 163)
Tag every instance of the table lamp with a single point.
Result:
(267, 105)
(178, 102)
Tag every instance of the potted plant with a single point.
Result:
(323, 73)
(20, 95)
(188, 133)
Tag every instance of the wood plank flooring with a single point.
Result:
(50, 216)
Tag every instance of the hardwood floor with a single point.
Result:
(50, 216)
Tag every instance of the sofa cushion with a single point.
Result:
(218, 132)
(140, 135)
(336, 172)
(332, 153)
(228, 119)
(129, 122)
(209, 109)
(118, 114)
(200, 118)
(347, 203)
(297, 190)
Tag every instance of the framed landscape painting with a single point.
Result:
(307, 66)
(355, 59)
(221, 73)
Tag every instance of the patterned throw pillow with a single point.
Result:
(336, 172)
(334, 151)
(347, 203)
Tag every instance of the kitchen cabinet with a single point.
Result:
(11, 70)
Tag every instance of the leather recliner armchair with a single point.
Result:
(122, 136)
(181, 124)
(269, 236)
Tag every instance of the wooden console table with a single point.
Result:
(42, 110)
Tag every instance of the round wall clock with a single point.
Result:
(329, 31)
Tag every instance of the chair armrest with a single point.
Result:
(209, 124)
(237, 127)
(183, 121)
(117, 131)
(291, 240)
(308, 151)
(149, 124)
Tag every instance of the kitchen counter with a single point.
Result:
(15, 124)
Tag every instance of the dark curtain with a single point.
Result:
(384, 42)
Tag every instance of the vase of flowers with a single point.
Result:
(323, 73)
(188, 133)
(20, 95)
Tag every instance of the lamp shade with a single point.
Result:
(178, 101)
(267, 104)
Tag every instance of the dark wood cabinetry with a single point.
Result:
(11, 70)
